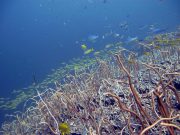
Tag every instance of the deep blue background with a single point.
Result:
(38, 35)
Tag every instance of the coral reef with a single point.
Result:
(125, 93)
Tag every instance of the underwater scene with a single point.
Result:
(89, 67)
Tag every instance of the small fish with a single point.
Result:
(89, 51)
(93, 37)
(143, 27)
(132, 39)
(108, 45)
(157, 30)
(157, 47)
(116, 35)
(96, 53)
(64, 128)
(34, 79)
(103, 37)
(76, 42)
(123, 25)
(84, 47)
(147, 53)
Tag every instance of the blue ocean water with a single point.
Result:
(36, 36)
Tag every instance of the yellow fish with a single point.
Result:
(84, 47)
(147, 53)
(157, 47)
(89, 51)
(64, 128)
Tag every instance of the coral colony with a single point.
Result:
(122, 92)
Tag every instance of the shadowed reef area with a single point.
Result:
(119, 91)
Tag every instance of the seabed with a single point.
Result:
(118, 92)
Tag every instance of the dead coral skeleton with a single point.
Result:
(120, 94)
